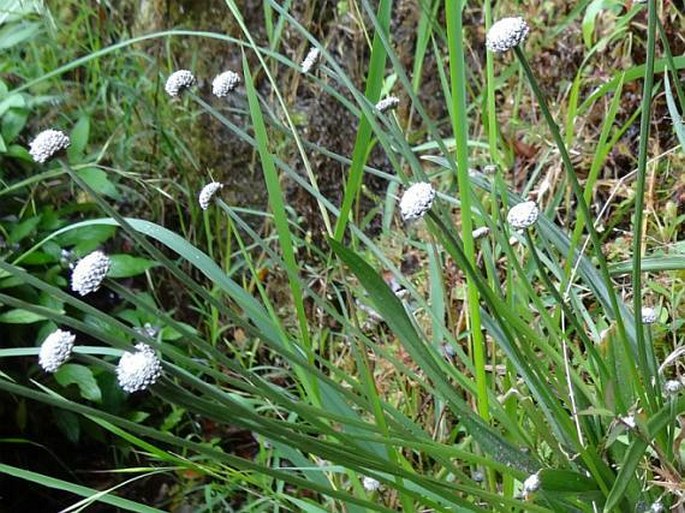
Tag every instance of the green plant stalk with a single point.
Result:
(460, 127)
(374, 83)
(640, 202)
(490, 85)
(280, 217)
(585, 211)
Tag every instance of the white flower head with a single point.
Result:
(416, 201)
(225, 83)
(89, 272)
(672, 387)
(506, 33)
(47, 144)
(387, 104)
(657, 507)
(138, 370)
(178, 82)
(479, 233)
(370, 484)
(532, 484)
(55, 350)
(311, 59)
(629, 421)
(523, 215)
(207, 193)
(649, 315)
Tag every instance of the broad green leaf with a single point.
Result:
(82, 376)
(79, 139)
(24, 229)
(567, 481)
(126, 266)
(68, 423)
(97, 179)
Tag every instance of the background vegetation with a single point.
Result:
(319, 353)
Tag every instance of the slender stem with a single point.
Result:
(640, 194)
(460, 127)
(585, 211)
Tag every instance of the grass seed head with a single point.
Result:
(416, 201)
(138, 370)
(47, 144)
(178, 82)
(506, 33)
(225, 83)
(207, 193)
(89, 272)
(55, 350)
(523, 215)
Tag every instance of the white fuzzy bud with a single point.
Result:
(47, 144)
(370, 484)
(55, 350)
(178, 82)
(310, 60)
(523, 215)
(657, 507)
(416, 201)
(506, 33)
(138, 370)
(531, 484)
(386, 104)
(89, 272)
(225, 83)
(649, 315)
(207, 193)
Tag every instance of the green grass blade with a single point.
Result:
(374, 83)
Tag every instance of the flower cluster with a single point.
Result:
(207, 193)
(523, 215)
(138, 370)
(47, 144)
(416, 201)
(178, 82)
(225, 83)
(55, 350)
(386, 104)
(506, 34)
(89, 272)
(311, 60)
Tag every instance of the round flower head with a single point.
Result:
(657, 507)
(207, 193)
(138, 370)
(506, 34)
(523, 215)
(55, 350)
(178, 82)
(386, 104)
(531, 484)
(672, 387)
(47, 144)
(225, 83)
(416, 201)
(89, 272)
(370, 484)
(649, 315)
(310, 60)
